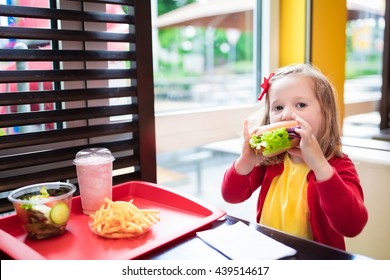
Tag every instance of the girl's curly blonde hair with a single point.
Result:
(330, 130)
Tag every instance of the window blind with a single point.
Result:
(75, 74)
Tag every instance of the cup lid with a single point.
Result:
(88, 156)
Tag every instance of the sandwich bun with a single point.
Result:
(275, 138)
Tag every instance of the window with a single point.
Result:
(364, 59)
(205, 85)
(178, 116)
(200, 74)
(203, 60)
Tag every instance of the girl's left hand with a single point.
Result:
(310, 151)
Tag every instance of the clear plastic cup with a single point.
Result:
(94, 175)
(43, 209)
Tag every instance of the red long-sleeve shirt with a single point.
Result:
(336, 205)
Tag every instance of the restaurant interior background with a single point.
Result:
(207, 76)
(209, 58)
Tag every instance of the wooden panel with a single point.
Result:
(82, 92)
(145, 86)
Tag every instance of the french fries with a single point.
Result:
(122, 219)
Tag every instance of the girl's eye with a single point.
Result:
(278, 108)
(301, 105)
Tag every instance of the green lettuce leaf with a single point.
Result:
(271, 141)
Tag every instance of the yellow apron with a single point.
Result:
(285, 207)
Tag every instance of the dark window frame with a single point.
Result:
(385, 100)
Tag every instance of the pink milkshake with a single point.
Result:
(94, 174)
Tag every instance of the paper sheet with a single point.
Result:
(240, 242)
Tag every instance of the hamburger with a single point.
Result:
(275, 138)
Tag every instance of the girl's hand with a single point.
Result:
(248, 159)
(310, 151)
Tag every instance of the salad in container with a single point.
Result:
(43, 209)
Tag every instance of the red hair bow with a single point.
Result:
(265, 86)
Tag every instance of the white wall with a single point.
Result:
(373, 167)
(194, 129)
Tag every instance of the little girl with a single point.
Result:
(312, 191)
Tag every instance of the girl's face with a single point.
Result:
(294, 94)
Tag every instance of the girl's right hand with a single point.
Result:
(248, 159)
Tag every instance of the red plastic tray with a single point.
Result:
(179, 215)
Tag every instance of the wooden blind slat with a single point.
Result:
(16, 98)
(10, 120)
(46, 157)
(65, 35)
(24, 76)
(58, 174)
(43, 13)
(68, 134)
(64, 55)
(122, 2)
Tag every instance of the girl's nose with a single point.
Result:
(287, 114)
